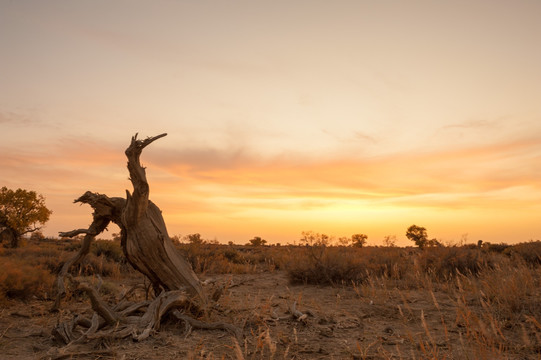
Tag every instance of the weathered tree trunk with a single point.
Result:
(144, 237)
(149, 249)
(147, 245)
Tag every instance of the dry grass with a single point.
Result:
(370, 303)
(28, 272)
(21, 280)
(209, 259)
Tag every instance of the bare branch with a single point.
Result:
(296, 313)
(101, 307)
(73, 233)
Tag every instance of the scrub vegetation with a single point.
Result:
(316, 299)
(146, 295)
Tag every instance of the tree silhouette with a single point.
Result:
(257, 241)
(418, 235)
(358, 240)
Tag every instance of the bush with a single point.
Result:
(335, 265)
(326, 265)
(444, 263)
(20, 280)
(96, 265)
(530, 252)
(498, 248)
(112, 250)
(216, 259)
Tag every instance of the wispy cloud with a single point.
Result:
(475, 124)
(364, 137)
(13, 118)
(195, 186)
(463, 173)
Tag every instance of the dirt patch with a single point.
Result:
(374, 321)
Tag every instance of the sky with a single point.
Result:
(337, 117)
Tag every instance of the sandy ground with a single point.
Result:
(369, 322)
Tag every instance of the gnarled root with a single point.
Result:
(138, 321)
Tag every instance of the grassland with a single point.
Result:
(459, 302)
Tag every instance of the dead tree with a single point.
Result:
(146, 244)
(147, 248)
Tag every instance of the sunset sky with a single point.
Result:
(339, 117)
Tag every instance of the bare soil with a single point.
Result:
(344, 322)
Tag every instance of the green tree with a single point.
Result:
(418, 235)
(358, 240)
(21, 212)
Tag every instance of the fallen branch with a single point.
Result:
(298, 315)
(99, 306)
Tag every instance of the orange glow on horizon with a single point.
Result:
(444, 191)
(348, 117)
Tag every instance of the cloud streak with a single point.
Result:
(213, 188)
(13, 118)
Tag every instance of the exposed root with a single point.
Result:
(136, 320)
(100, 306)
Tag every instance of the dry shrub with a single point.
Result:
(339, 264)
(389, 262)
(201, 256)
(208, 258)
(96, 265)
(112, 250)
(443, 263)
(511, 291)
(529, 252)
(21, 280)
(238, 259)
(29, 271)
(46, 255)
(497, 248)
(49, 257)
(322, 265)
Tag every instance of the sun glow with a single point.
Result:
(337, 117)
